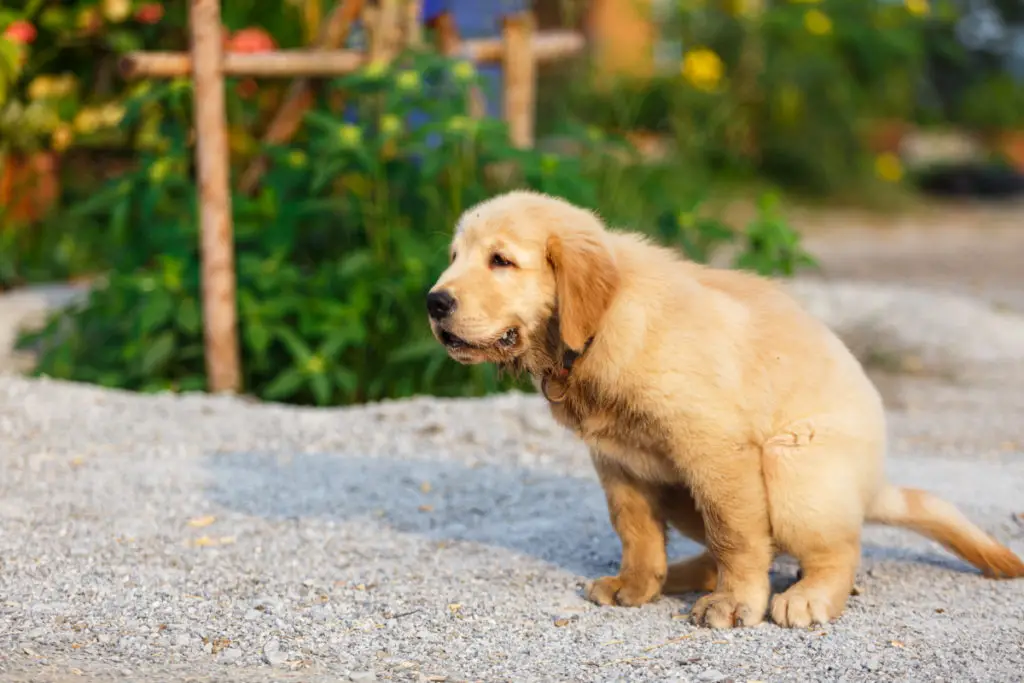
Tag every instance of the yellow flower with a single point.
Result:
(918, 8)
(87, 120)
(376, 69)
(111, 114)
(390, 125)
(463, 71)
(888, 167)
(61, 138)
(350, 135)
(817, 22)
(461, 124)
(703, 68)
(159, 170)
(40, 88)
(407, 80)
(63, 85)
(315, 365)
(117, 11)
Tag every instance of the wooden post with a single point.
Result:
(385, 31)
(519, 68)
(546, 47)
(220, 324)
(412, 26)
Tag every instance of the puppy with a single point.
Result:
(709, 400)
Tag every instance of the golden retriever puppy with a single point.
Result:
(710, 400)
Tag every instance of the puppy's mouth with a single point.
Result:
(453, 342)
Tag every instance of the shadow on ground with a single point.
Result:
(558, 519)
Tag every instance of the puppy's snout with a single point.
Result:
(440, 304)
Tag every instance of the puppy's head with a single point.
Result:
(516, 261)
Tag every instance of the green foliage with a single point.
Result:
(337, 250)
(783, 95)
(993, 104)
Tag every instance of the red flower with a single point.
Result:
(250, 39)
(150, 13)
(20, 31)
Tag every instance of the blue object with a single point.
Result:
(479, 19)
(473, 19)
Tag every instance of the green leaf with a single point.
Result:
(258, 337)
(416, 351)
(284, 385)
(321, 389)
(157, 311)
(192, 383)
(188, 316)
(123, 41)
(158, 353)
(335, 344)
(346, 379)
(298, 349)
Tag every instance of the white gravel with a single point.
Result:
(944, 332)
(425, 539)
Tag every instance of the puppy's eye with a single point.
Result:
(499, 261)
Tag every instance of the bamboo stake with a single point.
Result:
(412, 27)
(299, 97)
(385, 31)
(520, 74)
(548, 46)
(223, 368)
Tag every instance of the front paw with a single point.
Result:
(625, 591)
(723, 609)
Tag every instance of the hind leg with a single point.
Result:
(729, 490)
(820, 596)
(694, 574)
(816, 498)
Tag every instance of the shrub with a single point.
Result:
(336, 251)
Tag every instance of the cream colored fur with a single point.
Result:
(710, 401)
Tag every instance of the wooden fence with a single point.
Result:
(391, 25)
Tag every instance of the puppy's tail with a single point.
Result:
(940, 521)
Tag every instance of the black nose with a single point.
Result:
(440, 304)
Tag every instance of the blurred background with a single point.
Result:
(872, 139)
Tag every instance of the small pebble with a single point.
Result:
(711, 676)
(362, 677)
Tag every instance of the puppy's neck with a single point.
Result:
(546, 348)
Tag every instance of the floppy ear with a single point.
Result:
(586, 279)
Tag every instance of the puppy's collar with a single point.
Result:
(555, 383)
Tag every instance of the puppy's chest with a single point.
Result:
(630, 437)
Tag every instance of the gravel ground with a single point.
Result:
(208, 538)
